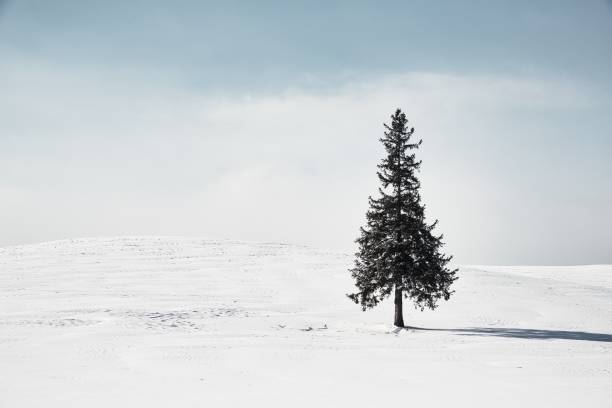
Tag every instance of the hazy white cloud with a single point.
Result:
(111, 154)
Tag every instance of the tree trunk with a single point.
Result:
(399, 312)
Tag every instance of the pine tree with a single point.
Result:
(398, 251)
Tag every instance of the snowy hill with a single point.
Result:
(184, 322)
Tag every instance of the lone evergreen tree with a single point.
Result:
(398, 251)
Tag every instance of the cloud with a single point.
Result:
(108, 154)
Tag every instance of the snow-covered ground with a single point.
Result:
(183, 322)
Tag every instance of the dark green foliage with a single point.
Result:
(397, 248)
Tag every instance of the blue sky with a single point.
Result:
(260, 121)
(250, 45)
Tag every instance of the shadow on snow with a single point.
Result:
(524, 333)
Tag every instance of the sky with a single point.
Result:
(260, 121)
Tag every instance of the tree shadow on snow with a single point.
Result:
(524, 333)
